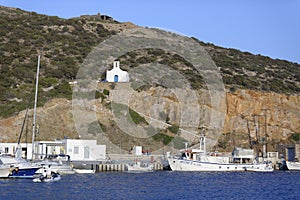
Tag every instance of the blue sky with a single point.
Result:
(266, 27)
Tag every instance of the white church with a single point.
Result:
(116, 74)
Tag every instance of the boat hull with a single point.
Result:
(4, 172)
(24, 172)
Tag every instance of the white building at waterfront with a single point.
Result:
(117, 74)
(10, 148)
(77, 150)
(85, 150)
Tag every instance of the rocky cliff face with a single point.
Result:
(280, 113)
(246, 112)
(54, 121)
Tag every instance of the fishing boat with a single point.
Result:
(200, 160)
(291, 165)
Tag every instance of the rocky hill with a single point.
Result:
(261, 93)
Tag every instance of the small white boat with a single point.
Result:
(140, 167)
(54, 177)
(47, 175)
(293, 165)
(84, 171)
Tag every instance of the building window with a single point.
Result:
(6, 150)
(76, 150)
(86, 152)
(53, 150)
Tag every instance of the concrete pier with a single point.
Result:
(110, 168)
(118, 162)
(121, 167)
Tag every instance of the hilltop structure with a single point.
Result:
(98, 17)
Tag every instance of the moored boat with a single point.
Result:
(139, 167)
(260, 167)
(57, 166)
(19, 168)
(200, 160)
(22, 171)
(84, 171)
(52, 179)
(293, 165)
(47, 175)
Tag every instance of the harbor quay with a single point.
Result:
(87, 154)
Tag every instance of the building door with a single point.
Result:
(116, 78)
(290, 153)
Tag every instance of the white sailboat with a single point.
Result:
(20, 167)
(200, 160)
(57, 166)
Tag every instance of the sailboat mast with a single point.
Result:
(24, 121)
(35, 102)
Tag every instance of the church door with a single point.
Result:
(116, 78)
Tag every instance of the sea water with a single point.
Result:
(159, 185)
